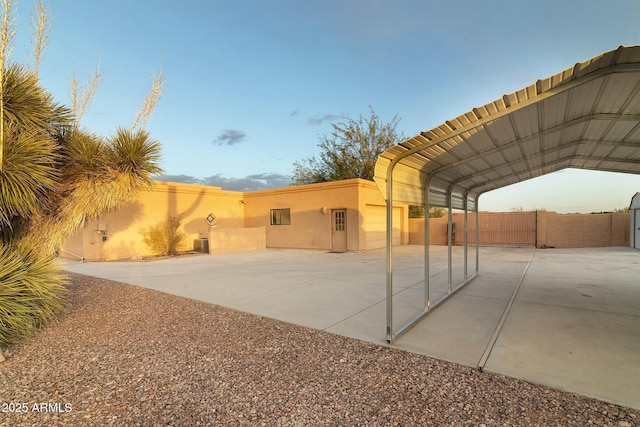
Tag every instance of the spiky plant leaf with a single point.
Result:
(84, 156)
(135, 153)
(27, 104)
(27, 174)
(31, 291)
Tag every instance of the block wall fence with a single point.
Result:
(540, 229)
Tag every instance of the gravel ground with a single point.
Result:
(128, 356)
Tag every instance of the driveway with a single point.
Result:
(574, 323)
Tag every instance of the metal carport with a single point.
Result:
(587, 117)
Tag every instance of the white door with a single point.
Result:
(339, 230)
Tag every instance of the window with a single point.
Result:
(340, 220)
(281, 216)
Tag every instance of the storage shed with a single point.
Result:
(634, 211)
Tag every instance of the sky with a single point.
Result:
(252, 85)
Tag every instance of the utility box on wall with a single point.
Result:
(201, 245)
(634, 212)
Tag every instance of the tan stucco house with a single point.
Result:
(341, 216)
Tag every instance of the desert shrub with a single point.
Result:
(30, 292)
(165, 238)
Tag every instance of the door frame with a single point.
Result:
(342, 233)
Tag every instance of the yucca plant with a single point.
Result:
(53, 176)
(30, 294)
(29, 149)
(96, 177)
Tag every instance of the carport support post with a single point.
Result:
(477, 235)
(389, 255)
(449, 242)
(466, 239)
(427, 300)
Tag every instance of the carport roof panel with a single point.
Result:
(587, 116)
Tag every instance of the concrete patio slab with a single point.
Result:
(579, 350)
(574, 324)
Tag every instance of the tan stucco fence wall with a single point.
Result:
(541, 229)
(120, 234)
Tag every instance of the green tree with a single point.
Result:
(54, 176)
(350, 151)
(416, 211)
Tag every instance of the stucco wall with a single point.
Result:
(230, 240)
(125, 227)
(310, 224)
(437, 231)
(310, 207)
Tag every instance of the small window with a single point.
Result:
(281, 216)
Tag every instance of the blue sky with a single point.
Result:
(252, 84)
